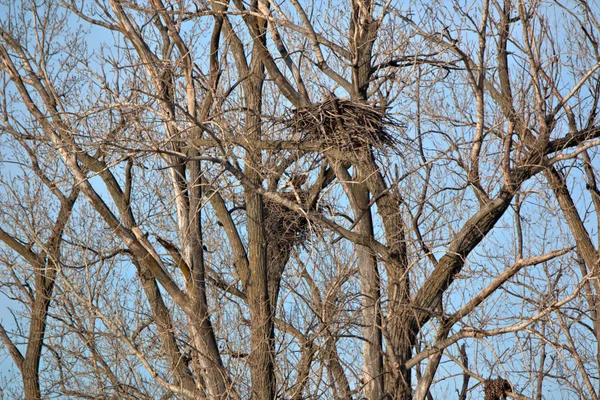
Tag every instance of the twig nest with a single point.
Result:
(343, 124)
(285, 227)
(495, 389)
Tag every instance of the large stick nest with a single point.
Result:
(344, 125)
(285, 227)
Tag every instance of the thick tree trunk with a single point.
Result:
(401, 335)
(400, 330)
(585, 248)
(370, 292)
(359, 195)
(262, 340)
(262, 335)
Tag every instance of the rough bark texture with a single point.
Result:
(263, 335)
(585, 248)
(370, 291)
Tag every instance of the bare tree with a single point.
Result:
(36, 238)
(301, 200)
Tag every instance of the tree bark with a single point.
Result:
(370, 292)
(262, 339)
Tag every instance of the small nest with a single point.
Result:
(495, 389)
(343, 124)
(285, 227)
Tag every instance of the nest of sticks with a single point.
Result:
(344, 125)
(495, 389)
(285, 227)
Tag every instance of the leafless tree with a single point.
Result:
(301, 199)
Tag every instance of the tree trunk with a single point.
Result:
(202, 330)
(262, 335)
(35, 340)
(370, 293)
(262, 339)
(585, 247)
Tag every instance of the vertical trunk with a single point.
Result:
(541, 374)
(363, 31)
(358, 193)
(400, 328)
(370, 292)
(37, 329)
(401, 334)
(262, 339)
(202, 330)
(262, 335)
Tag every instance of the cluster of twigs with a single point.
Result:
(286, 227)
(495, 389)
(343, 124)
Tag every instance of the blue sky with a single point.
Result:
(496, 241)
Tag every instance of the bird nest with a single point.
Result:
(344, 125)
(285, 227)
(495, 389)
